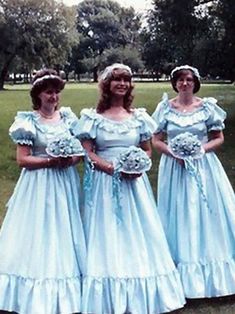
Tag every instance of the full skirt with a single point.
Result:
(129, 267)
(42, 244)
(198, 215)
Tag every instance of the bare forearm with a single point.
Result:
(158, 142)
(101, 164)
(161, 147)
(34, 162)
(146, 146)
(213, 144)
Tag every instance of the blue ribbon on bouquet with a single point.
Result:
(116, 182)
(88, 179)
(193, 171)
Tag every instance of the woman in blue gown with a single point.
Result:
(129, 267)
(42, 244)
(196, 201)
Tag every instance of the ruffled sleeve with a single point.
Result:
(160, 113)
(70, 118)
(86, 126)
(148, 125)
(216, 115)
(23, 130)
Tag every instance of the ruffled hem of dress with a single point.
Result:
(48, 296)
(157, 294)
(212, 279)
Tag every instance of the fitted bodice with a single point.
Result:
(109, 144)
(29, 129)
(111, 137)
(208, 117)
(198, 128)
(46, 133)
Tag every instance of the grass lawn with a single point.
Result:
(147, 95)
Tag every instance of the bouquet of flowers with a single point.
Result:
(186, 145)
(65, 147)
(133, 160)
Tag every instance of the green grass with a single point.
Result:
(147, 95)
(83, 95)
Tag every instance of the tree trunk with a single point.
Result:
(67, 76)
(14, 78)
(95, 74)
(3, 76)
(4, 71)
(1, 83)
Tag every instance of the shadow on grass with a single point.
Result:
(219, 305)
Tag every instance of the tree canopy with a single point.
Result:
(105, 25)
(171, 34)
(94, 33)
(38, 32)
(196, 32)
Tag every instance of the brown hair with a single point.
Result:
(104, 102)
(54, 81)
(176, 75)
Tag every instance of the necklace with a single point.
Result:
(186, 106)
(45, 116)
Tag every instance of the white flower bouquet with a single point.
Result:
(133, 160)
(186, 145)
(65, 147)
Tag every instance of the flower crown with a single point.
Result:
(109, 69)
(186, 67)
(46, 77)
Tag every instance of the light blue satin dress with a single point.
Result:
(199, 219)
(129, 267)
(42, 244)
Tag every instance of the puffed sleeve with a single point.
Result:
(86, 126)
(23, 130)
(70, 118)
(216, 115)
(147, 125)
(159, 115)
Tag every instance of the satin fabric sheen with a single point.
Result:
(42, 244)
(129, 267)
(200, 229)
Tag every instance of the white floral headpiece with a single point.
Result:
(186, 67)
(109, 69)
(46, 77)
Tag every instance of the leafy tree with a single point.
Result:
(38, 32)
(75, 63)
(172, 33)
(104, 25)
(198, 32)
(127, 55)
(223, 11)
(215, 49)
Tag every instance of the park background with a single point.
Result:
(80, 40)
